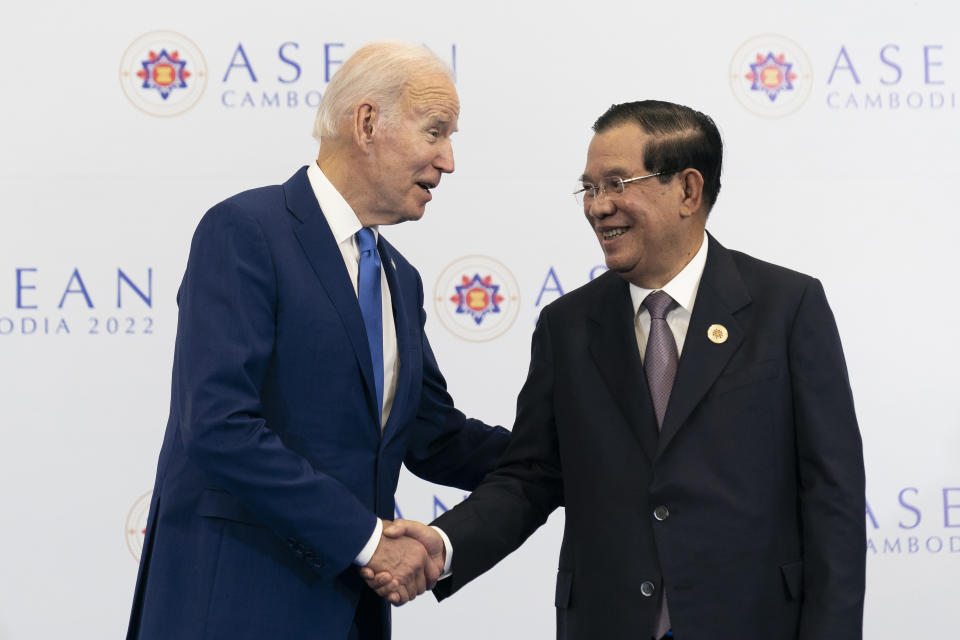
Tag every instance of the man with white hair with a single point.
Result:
(302, 378)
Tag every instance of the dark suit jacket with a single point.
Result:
(273, 467)
(759, 467)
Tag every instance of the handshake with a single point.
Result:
(408, 561)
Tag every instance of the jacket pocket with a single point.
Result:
(793, 579)
(730, 380)
(215, 503)
(564, 589)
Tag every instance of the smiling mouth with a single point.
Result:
(613, 233)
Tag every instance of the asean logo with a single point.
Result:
(477, 298)
(771, 76)
(163, 73)
(136, 526)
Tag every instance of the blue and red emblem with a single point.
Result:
(164, 72)
(477, 297)
(771, 75)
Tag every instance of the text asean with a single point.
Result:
(288, 75)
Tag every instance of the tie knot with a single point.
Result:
(658, 303)
(366, 240)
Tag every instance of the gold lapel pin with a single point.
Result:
(717, 333)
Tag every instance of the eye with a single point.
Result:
(587, 192)
(613, 185)
(433, 133)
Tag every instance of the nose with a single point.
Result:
(601, 207)
(444, 159)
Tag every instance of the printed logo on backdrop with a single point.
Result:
(163, 73)
(477, 298)
(771, 76)
(136, 525)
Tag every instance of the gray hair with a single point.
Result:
(378, 72)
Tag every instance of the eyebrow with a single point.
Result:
(609, 173)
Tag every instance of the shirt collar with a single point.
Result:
(343, 222)
(683, 287)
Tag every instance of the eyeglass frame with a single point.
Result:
(580, 195)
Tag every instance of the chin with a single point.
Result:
(412, 216)
(620, 266)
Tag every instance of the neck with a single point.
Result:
(660, 279)
(342, 173)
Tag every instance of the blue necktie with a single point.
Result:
(368, 293)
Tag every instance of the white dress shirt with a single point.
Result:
(344, 224)
(683, 289)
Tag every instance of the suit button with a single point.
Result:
(647, 589)
(661, 513)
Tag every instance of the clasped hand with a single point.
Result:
(408, 561)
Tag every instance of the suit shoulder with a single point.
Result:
(258, 203)
(759, 274)
(251, 214)
(587, 296)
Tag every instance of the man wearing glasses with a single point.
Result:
(691, 411)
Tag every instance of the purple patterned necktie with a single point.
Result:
(660, 361)
(660, 365)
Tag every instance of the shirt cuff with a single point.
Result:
(366, 554)
(448, 547)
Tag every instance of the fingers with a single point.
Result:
(402, 568)
(395, 529)
(399, 597)
(384, 579)
(383, 582)
(426, 536)
(432, 572)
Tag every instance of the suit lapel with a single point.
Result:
(721, 293)
(315, 238)
(613, 347)
(403, 321)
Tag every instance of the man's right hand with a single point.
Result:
(387, 583)
(404, 567)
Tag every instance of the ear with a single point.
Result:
(365, 118)
(691, 182)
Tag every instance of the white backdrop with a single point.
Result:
(855, 185)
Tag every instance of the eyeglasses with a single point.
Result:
(614, 185)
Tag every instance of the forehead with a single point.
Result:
(616, 150)
(432, 95)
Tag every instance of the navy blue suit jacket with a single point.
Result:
(273, 467)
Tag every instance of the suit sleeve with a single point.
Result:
(527, 485)
(225, 345)
(832, 485)
(445, 446)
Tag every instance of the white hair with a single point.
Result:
(378, 72)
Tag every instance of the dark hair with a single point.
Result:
(683, 138)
